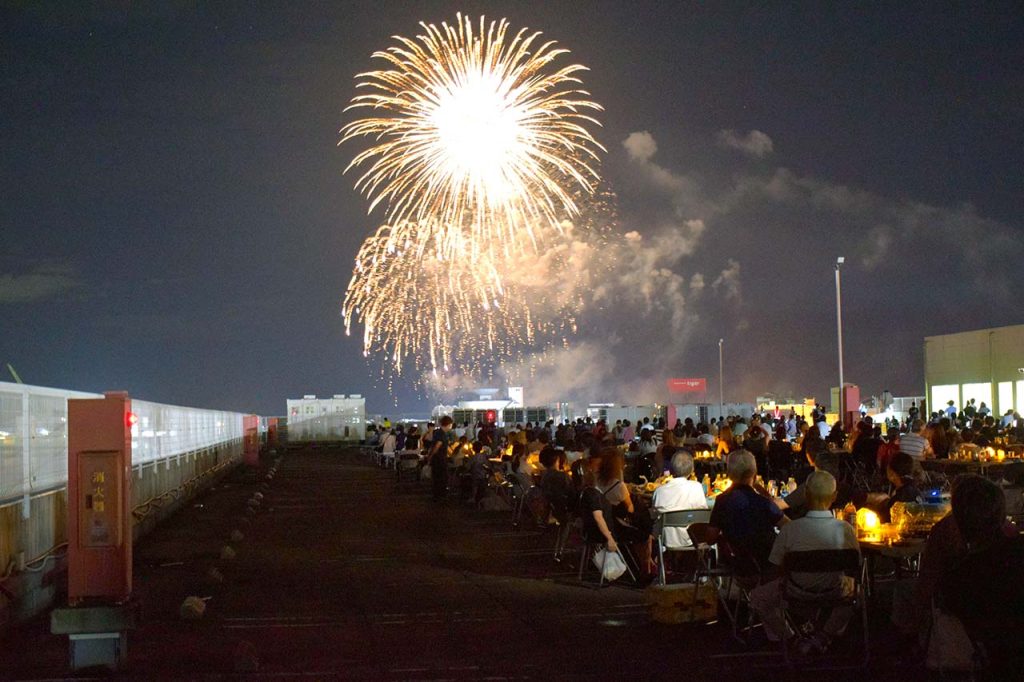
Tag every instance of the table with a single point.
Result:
(901, 550)
(952, 467)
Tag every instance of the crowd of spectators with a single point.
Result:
(817, 473)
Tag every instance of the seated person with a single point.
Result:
(901, 475)
(822, 459)
(704, 437)
(817, 530)
(556, 484)
(983, 589)
(745, 518)
(629, 525)
(598, 515)
(946, 546)
(461, 452)
(756, 442)
(678, 494)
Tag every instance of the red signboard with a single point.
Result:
(687, 385)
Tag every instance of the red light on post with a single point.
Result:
(130, 419)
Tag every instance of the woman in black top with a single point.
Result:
(901, 475)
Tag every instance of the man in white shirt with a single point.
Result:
(822, 427)
(677, 495)
(914, 443)
(818, 530)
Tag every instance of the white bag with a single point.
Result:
(611, 563)
(949, 647)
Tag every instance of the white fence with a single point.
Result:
(34, 438)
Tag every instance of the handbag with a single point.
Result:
(611, 564)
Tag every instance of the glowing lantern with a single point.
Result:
(867, 521)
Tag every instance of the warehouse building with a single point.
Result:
(986, 365)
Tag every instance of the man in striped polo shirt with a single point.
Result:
(914, 443)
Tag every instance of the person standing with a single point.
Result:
(438, 458)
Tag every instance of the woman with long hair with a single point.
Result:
(630, 526)
(938, 439)
(726, 441)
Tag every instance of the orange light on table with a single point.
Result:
(868, 522)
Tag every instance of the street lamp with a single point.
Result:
(839, 335)
(721, 383)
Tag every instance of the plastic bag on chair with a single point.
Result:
(949, 647)
(610, 563)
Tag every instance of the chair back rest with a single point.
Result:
(739, 557)
(699, 532)
(823, 561)
(522, 481)
(682, 518)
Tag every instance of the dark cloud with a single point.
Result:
(44, 282)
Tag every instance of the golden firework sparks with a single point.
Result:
(480, 150)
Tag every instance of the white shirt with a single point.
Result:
(388, 444)
(823, 429)
(677, 495)
(816, 530)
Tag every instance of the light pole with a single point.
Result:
(721, 383)
(839, 335)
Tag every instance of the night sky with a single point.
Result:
(175, 221)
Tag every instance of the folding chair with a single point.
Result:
(564, 529)
(846, 561)
(521, 487)
(407, 464)
(675, 519)
(721, 565)
(854, 472)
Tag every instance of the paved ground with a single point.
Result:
(340, 574)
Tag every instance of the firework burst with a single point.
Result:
(480, 153)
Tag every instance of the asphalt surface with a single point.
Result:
(343, 574)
